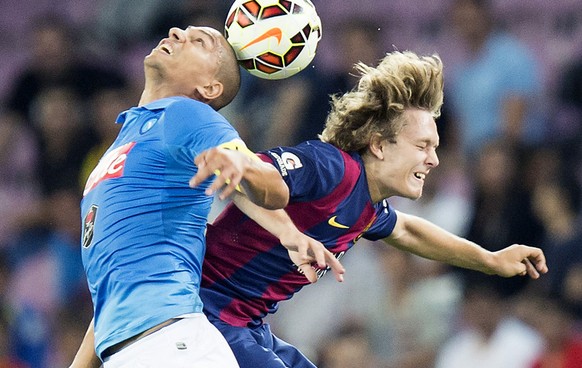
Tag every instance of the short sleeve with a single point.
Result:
(195, 126)
(384, 224)
(311, 169)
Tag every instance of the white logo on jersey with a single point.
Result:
(291, 161)
(280, 163)
(110, 166)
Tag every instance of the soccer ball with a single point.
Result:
(273, 39)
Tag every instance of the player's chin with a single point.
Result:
(412, 192)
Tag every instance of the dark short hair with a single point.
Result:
(229, 75)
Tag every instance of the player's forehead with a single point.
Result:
(211, 32)
(217, 38)
(419, 125)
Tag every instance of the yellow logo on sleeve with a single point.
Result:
(239, 145)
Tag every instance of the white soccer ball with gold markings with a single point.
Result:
(273, 39)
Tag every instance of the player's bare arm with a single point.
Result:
(234, 170)
(85, 357)
(303, 250)
(427, 240)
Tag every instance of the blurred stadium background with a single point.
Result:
(60, 91)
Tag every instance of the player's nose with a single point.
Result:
(433, 159)
(177, 34)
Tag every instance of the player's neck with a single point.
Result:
(154, 93)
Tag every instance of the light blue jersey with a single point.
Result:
(143, 226)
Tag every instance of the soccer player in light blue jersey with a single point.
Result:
(145, 208)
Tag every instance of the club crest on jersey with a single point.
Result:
(365, 229)
(148, 125)
(291, 161)
(110, 166)
(89, 226)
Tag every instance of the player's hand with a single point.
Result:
(228, 165)
(304, 251)
(520, 260)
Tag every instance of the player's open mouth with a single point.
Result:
(166, 49)
(420, 175)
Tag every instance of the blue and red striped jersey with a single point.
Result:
(247, 271)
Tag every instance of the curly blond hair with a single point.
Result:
(401, 80)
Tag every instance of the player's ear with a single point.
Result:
(209, 92)
(376, 145)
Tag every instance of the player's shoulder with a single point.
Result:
(328, 156)
(183, 110)
(322, 152)
(314, 154)
(312, 169)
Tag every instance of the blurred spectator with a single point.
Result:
(208, 13)
(416, 310)
(493, 92)
(105, 106)
(8, 356)
(48, 276)
(19, 187)
(567, 126)
(56, 58)
(120, 23)
(349, 347)
(563, 345)
(69, 329)
(5, 280)
(489, 336)
(64, 137)
(572, 285)
(558, 203)
(556, 324)
(502, 208)
(544, 163)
